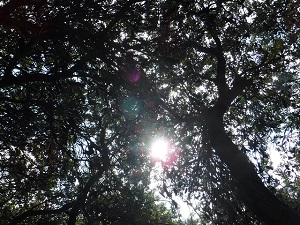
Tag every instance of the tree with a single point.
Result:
(224, 68)
(83, 82)
(64, 153)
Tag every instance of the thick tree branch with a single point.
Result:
(32, 213)
(79, 202)
(251, 189)
(220, 80)
(8, 81)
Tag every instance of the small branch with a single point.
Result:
(197, 46)
(26, 101)
(204, 77)
(27, 77)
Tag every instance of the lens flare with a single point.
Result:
(134, 77)
(131, 107)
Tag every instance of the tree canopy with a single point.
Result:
(85, 86)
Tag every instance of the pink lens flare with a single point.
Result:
(134, 77)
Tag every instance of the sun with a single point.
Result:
(159, 149)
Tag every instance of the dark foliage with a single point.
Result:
(86, 85)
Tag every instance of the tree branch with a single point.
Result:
(220, 80)
(27, 77)
(251, 189)
(79, 202)
(197, 46)
(31, 213)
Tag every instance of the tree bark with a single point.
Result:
(255, 195)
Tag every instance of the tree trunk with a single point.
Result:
(258, 198)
